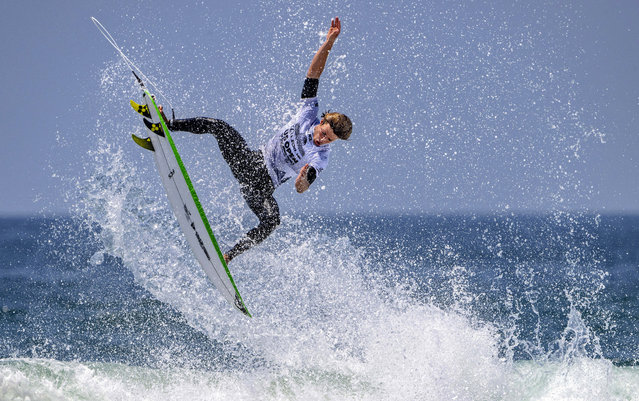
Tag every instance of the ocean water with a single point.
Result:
(109, 304)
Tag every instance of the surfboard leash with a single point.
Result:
(131, 64)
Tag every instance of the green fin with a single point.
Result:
(141, 108)
(144, 142)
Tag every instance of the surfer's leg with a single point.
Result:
(268, 212)
(249, 169)
(196, 125)
(233, 147)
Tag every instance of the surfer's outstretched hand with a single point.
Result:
(333, 32)
(301, 182)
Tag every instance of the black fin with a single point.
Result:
(154, 127)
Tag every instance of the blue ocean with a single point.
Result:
(109, 304)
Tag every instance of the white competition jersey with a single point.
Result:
(293, 147)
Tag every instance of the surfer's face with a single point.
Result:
(323, 134)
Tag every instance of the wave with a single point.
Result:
(583, 379)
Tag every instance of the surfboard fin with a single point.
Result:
(143, 142)
(143, 109)
(154, 127)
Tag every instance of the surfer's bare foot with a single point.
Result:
(162, 114)
(226, 259)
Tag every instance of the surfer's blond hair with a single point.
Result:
(341, 124)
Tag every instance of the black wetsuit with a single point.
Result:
(249, 168)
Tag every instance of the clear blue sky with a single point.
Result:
(485, 106)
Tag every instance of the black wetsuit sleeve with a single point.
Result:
(310, 88)
(311, 174)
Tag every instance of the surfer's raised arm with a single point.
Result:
(319, 60)
(323, 134)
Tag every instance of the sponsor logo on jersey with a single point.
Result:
(291, 146)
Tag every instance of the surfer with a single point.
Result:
(299, 149)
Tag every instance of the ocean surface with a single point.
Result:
(110, 305)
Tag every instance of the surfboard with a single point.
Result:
(184, 201)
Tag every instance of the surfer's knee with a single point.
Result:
(275, 220)
(272, 216)
(266, 226)
(270, 223)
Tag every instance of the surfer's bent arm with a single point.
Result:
(319, 60)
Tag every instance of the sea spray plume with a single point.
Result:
(327, 317)
(318, 314)
(577, 340)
